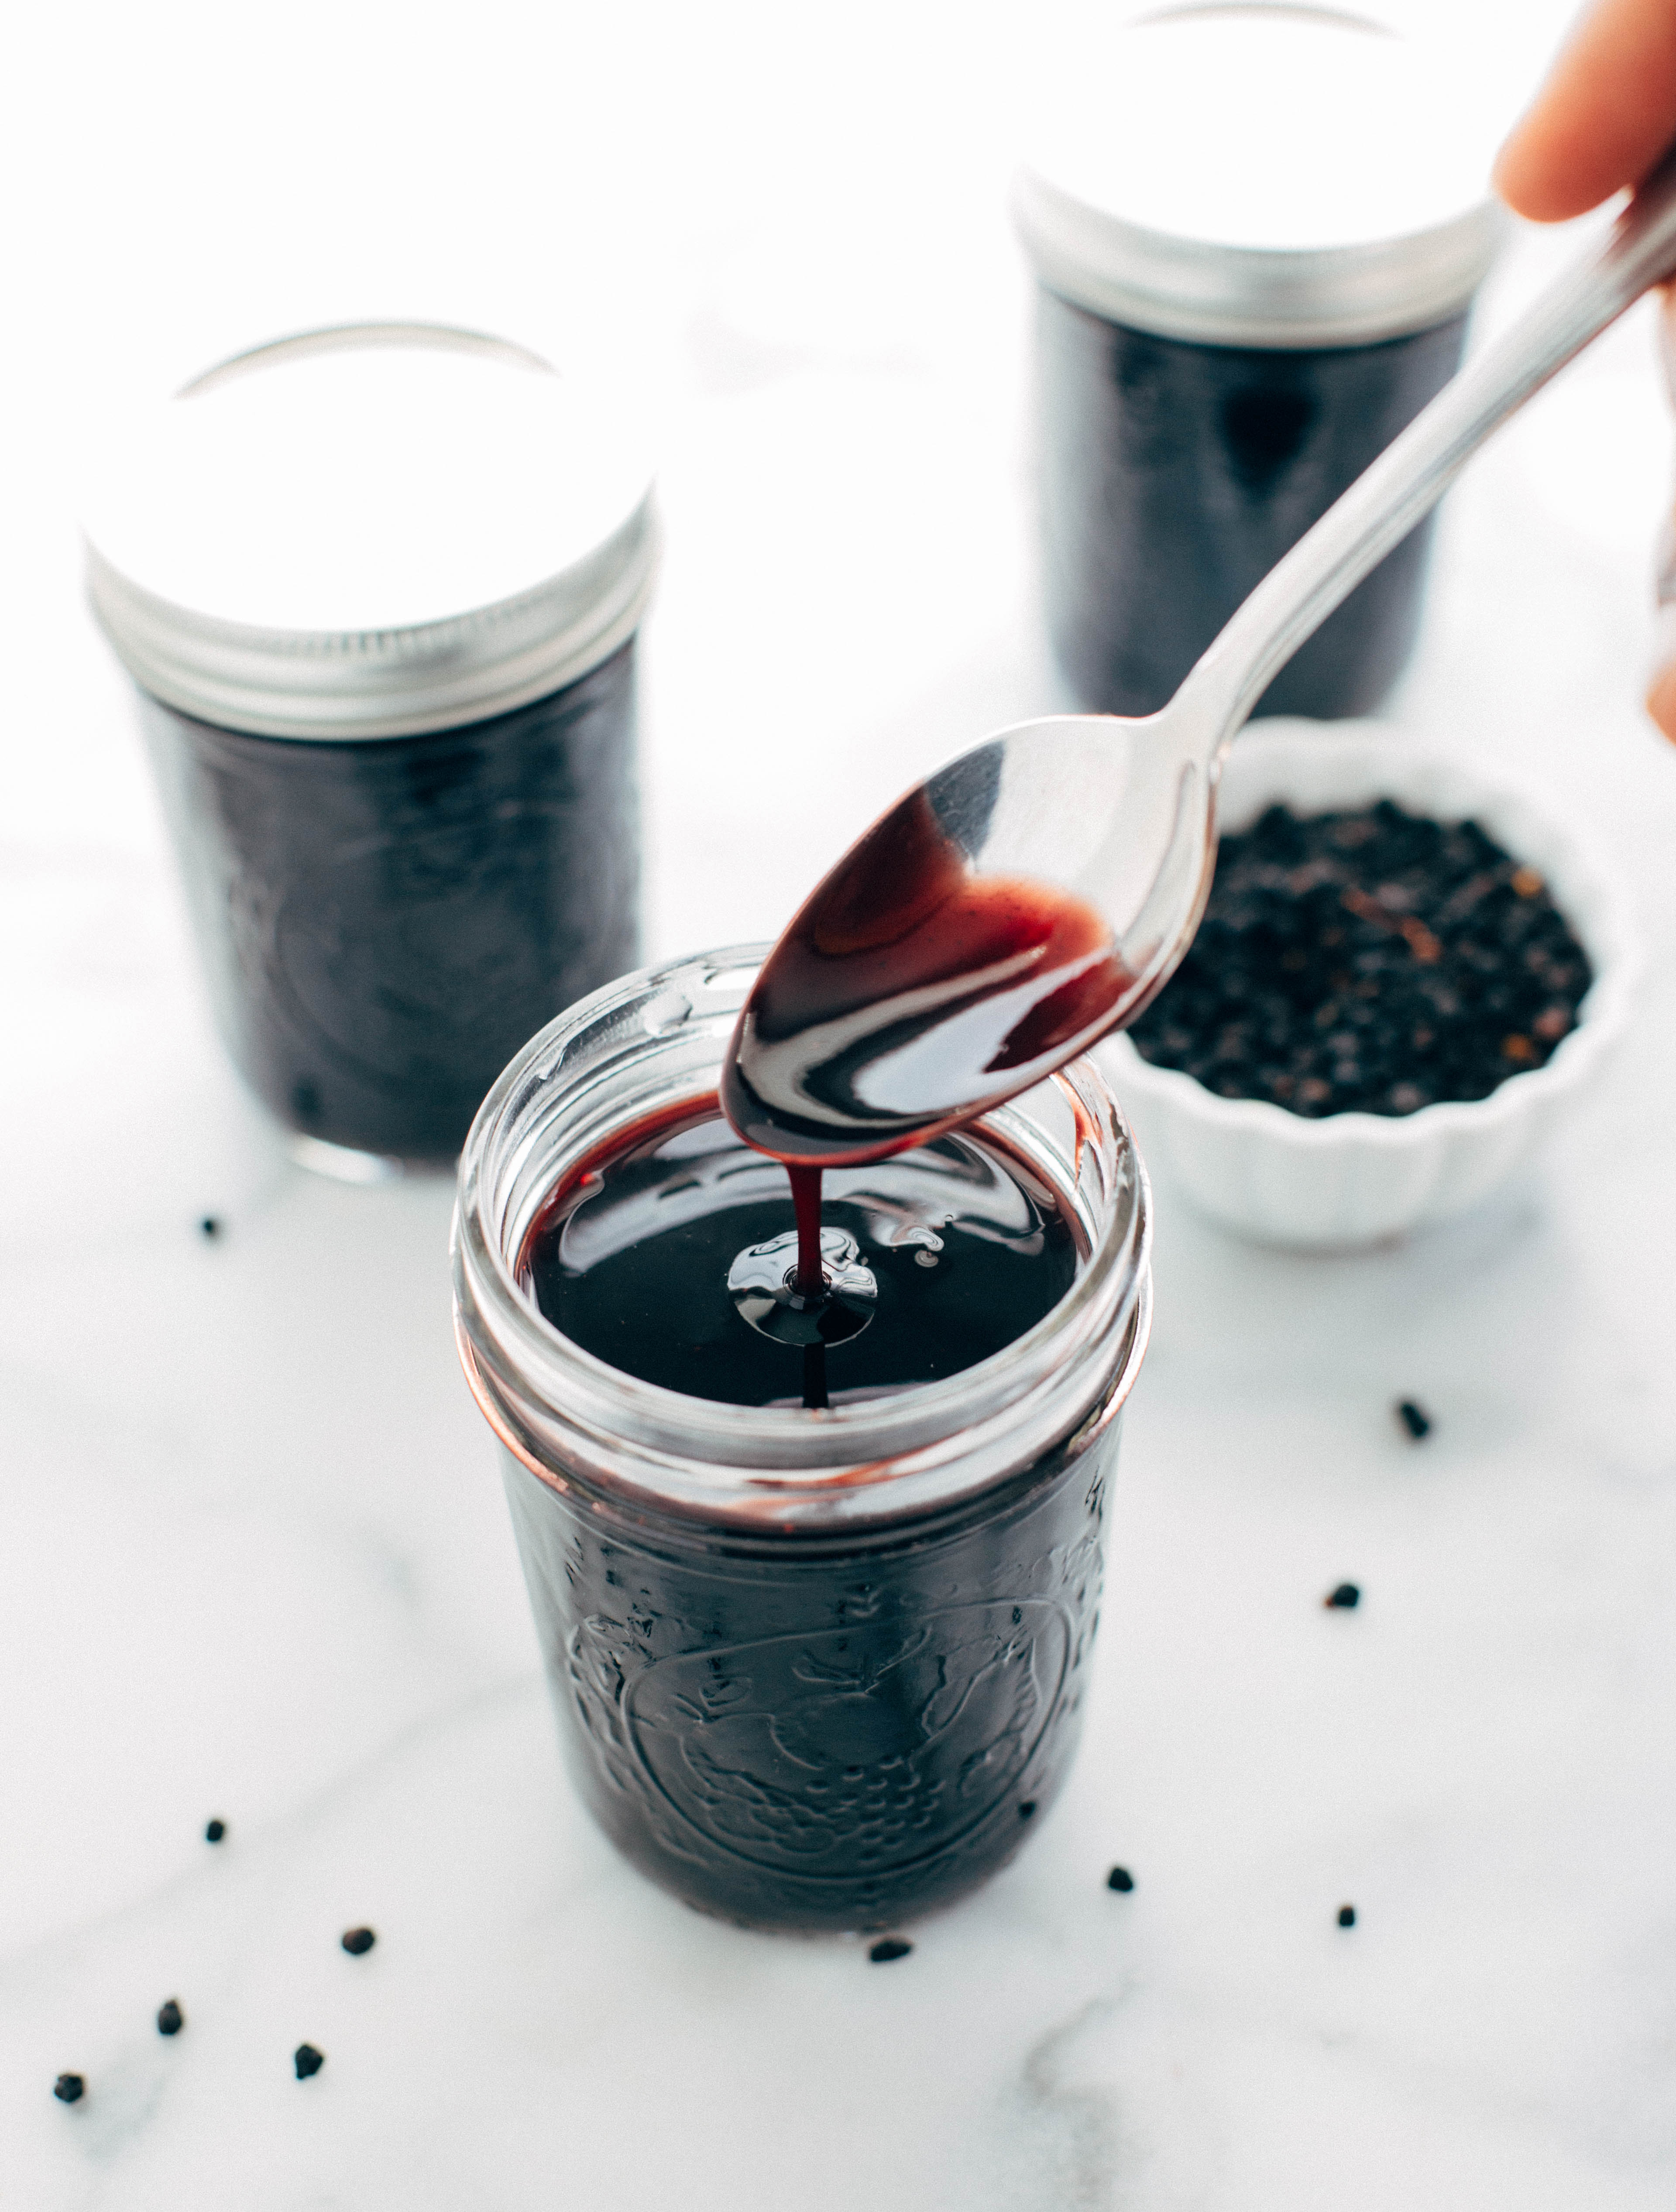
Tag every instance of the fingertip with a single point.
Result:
(1534, 182)
(1661, 700)
(1504, 178)
(1603, 118)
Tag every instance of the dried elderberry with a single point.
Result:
(170, 2018)
(1347, 1916)
(357, 1941)
(1373, 962)
(68, 2089)
(1344, 1599)
(888, 1948)
(1414, 1419)
(307, 2060)
(1120, 1879)
(214, 1830)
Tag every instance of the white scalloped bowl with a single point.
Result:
(1352, 1179)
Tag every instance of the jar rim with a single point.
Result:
(569, 1415)
(265, 553)
(1219, 175)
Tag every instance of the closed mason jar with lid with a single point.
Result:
(1258, 231)
(815, 1666)
(379, 588)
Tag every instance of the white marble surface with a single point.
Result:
(253, 1559)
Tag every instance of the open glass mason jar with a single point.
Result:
(814, 1669)
(379, 587)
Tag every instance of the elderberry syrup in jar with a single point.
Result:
(378, 587)
(816, 1582)
(1258, 231)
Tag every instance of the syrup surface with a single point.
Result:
(673, 1258)
(909, 994)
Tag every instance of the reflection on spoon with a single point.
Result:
(909, 993)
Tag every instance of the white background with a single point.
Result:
(253, 1559)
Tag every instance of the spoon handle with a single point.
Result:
(1413, 472)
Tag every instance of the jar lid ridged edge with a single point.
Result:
(403, 682)
(1257, 296)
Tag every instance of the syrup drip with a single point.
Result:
(810, 1280)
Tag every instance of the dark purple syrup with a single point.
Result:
(837, 1730)
(823, 1732)
(674, 1257)
(909, 979)
(1175, 475)
(383, 923)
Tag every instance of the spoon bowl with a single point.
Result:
(1040, 890)
(1004, 914)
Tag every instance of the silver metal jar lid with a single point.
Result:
(371, 532)
(1259, 175)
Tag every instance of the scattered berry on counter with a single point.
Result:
(170, 2018)
(1026, 1810)
(1344, 1599)
(1414, 1417)
(210, 1227)
(214, 1830)
(1368, 962)
(1120, 1879)
(888, 1948)
(68, 2089)
(307, 2060)
(1347, 1916)
(357, 1941)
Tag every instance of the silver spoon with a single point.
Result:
(1040, 888)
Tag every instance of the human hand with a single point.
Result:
(1605, 115)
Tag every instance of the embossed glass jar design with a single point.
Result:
(1258, 231)
(812, 1669)
(379, 588)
